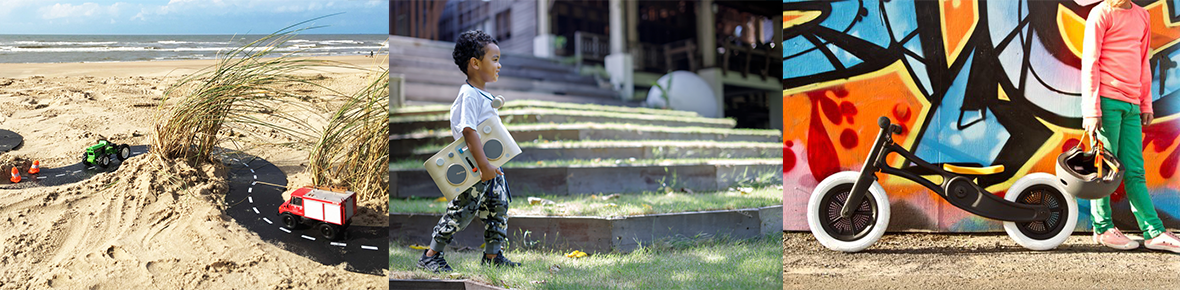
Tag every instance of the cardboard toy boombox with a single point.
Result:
(454, 168)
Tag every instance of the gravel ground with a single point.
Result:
(973, 261)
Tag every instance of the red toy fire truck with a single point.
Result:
(328, 211)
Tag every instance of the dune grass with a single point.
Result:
(623, 205)
(352, 151)
(242, 89)
(705, 263)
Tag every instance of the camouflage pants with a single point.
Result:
(487, 199)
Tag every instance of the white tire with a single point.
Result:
(842, 234)
(1042, 188)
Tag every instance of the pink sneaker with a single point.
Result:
(1115, 239)
(1164, 242)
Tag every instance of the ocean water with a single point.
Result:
(119, 48)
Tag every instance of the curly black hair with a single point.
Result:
(471, 44)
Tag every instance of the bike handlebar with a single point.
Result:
(884, 123)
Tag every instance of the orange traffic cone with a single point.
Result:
(15, 175)
(36, 167)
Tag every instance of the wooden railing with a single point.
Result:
(593, 48)
(589, 46)
(748, 60)
(397, 91)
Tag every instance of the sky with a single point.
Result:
(190, 16)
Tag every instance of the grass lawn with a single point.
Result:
(624, 205)
(708, 263)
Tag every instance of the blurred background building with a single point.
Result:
(607, 52)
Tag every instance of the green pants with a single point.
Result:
(1122, 133)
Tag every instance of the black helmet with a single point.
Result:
(1090, 174)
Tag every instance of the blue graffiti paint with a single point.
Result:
(947, 140)
(815, 62)
(903, 20)
(1052, 84)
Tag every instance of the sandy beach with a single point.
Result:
(139, 227)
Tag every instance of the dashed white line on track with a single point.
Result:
(251, 198)
(40, 177)
(60, 175)
(255, 210)
(285, 230)
(368, 247)
(307, 237)
(338, 244)
(268, 221)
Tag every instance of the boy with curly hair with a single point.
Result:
(478, 56)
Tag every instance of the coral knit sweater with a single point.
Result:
(1114, 58)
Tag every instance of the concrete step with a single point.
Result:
(406, 124)
(632, 108)
(452, 80)
(432, 66)
(404, 144)
(598, 235)
(574, 179)
(589, 150)
(445, 94)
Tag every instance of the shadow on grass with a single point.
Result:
(714, 263)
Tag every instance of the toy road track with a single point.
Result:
(9, 140)
(255, 193)
(67, 174)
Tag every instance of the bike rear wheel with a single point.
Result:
(1041, 189)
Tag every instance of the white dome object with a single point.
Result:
(688, 92)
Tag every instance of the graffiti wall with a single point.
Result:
(971, 82)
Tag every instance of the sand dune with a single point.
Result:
(150, 224)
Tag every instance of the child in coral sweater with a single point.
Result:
(1116, 105)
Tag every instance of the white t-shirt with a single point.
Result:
(471, 107)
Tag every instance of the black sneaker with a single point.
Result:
(499, 260)
(436, 263)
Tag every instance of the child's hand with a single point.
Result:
(1147, 117)
(485, 175)
(1091, 125)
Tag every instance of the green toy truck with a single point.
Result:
(100, 154)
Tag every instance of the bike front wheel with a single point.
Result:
(852, 234)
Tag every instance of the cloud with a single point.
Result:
(84, 10)
(7, 6)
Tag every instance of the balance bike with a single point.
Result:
(1036, 212)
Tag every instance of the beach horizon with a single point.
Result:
(157, 68)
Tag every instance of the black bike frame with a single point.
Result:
(986, 204)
